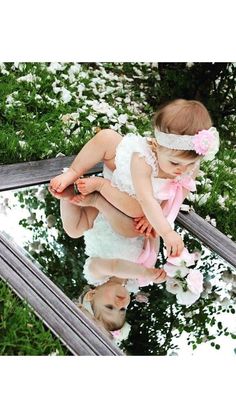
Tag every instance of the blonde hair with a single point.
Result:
(181, 117)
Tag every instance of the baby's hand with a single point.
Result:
(157, 275)
(174, 243)
(144, 227)
(67, 194)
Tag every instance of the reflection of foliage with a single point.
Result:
(61, 257)
(157, 325)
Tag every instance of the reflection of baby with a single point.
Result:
(120, 260)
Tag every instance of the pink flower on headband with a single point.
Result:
(203, 141)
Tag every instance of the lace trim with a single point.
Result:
(90, 279)
(122, 176)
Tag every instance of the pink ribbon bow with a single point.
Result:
(172, 191)
(147, 258)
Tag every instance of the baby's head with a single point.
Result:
(108, 304)
(184, 119)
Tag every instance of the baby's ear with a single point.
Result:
(89, 295)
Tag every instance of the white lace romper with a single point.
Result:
(121, 176)
(101, 241)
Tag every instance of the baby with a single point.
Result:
(149, 177)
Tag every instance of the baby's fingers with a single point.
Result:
(144, 227)
(148, 231)
(161, 276)
(139, 224)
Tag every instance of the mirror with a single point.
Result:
(159, 326)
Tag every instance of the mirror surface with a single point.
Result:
(159, 326)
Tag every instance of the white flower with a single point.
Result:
(66, 118)
(214, 148)
(31, 219)
(122, 119)
(55, 88)
(60, 154)
(213, 222)
(227, 276)
(54, 353)
(29, 78)
(41, 194)
(51, 220)
(188, 314)
(173, 285)
(203, 198)
(66, 95)
(22, 144)
(189, 64)
(225, 302)
(103, 107)
(221, 200)
(186, 298)
(91, 118)
(18, 65)
(54, 67)
(73, 70)
(195, 281)
(173, 270)
(3, 69)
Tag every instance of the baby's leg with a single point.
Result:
(75, 219)
(121, 223)
(121, 200)
(102, 147)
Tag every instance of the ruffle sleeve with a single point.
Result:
(129, 145)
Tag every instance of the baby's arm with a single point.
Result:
(141, 176)
(123, 269)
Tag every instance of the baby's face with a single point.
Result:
(173, 165)
(112, 299)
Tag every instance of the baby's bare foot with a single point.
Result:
(89, 185)
(59, 183)
(67, 194)
(88, 200)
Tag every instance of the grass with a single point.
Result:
(21, 332)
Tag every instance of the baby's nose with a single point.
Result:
(120, 301)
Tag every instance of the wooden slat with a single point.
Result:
(60, 314)
(13, 176)
(208, 235)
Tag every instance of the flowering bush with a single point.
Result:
(184, 282)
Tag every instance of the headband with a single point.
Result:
(205, 142)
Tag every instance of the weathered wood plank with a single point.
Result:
(209, 235)
(80, 335)
(13, 176)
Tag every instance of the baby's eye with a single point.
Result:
(174, 163)
(109, 307)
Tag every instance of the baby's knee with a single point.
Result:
(108, 139)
